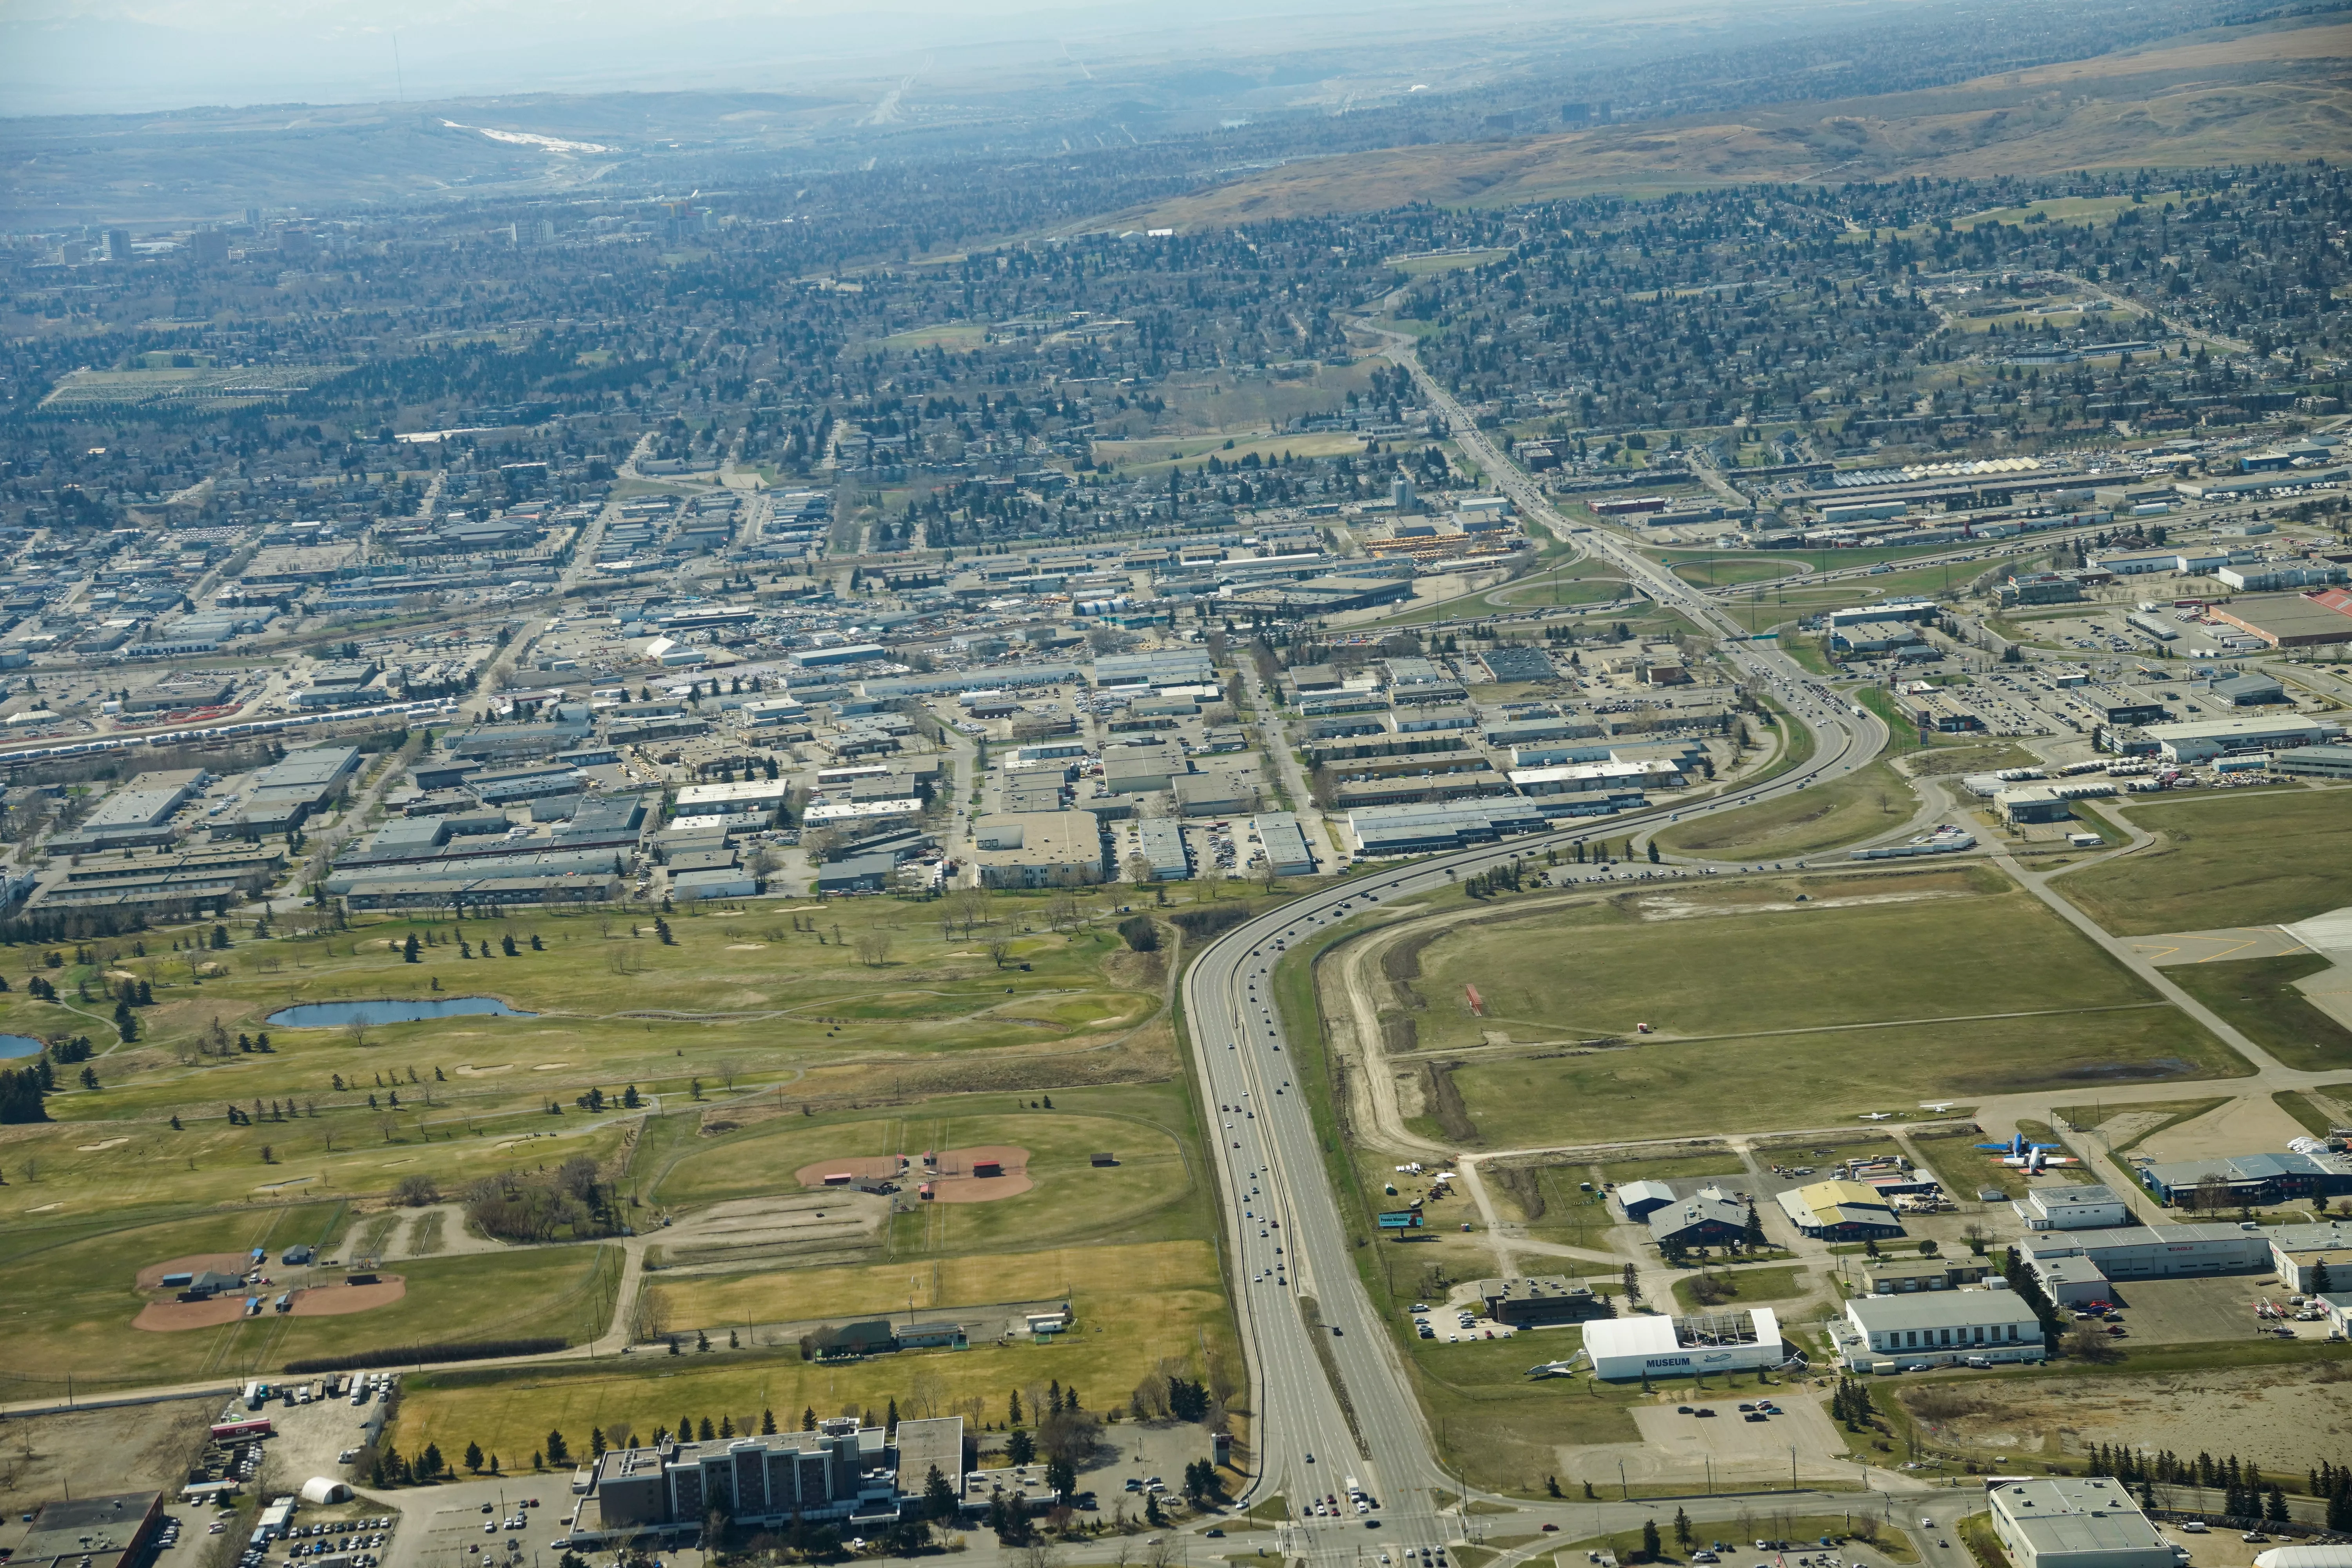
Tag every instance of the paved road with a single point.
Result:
(1329, 1391)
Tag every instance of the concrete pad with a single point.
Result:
(1676, 1446)
(2329, 933)
(2218, 946)
(2240, 1127)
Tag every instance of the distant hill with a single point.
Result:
(2255, 95)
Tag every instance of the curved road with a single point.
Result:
(1332, 1397)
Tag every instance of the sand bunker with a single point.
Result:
(856, 1167)
(102, 1143)
(152, 1277)
(470, 1070)
(745, 946)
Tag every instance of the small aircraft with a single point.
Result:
(1941, 1106)
(1876, 1116)
(1557, 1368)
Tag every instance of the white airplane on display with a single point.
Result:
(1876, 1116)
(1941, 1106)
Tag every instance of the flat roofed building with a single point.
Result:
(2088, 1259)
(2315, 761)
(1283, 843)
(2290, 620)
(2073, 1208)
(110, 1531)
(723, 799)
(1544, 1299)
(1038, 850)
(2302, 1252)
(1940, 1326)
(2206, 739)
(838, 1471)
(2063, 1522)
(932, 1443)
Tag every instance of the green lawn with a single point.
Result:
(1659, 1090)
(2250, 858)
(70, 1296)
(1745, 1287)
(1724, 961)
(2260, 997)
(1068, 1197)
(1820, 816)
(741, 1004)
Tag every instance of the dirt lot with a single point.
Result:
(133, 1447)
(2283, 1417)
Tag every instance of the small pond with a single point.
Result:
(335, 1015)
(18, 1046)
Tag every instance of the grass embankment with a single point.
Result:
(1494, 1426)
(2239, 859)
(1874, 800)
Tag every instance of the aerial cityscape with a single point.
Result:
(1248, 788)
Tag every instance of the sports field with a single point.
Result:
(69, 1297)
(1147, 1128)
(2245, 858)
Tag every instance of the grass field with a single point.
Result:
(1937, 967)
(2247, 858)
(1816, 1078)
(741, 1006)
(1672, 1167)
(2260, 997)
(1149, 1191)
(1873, 800)
(1747, 1287)
(69, 1299)
(1422, 266)
(1156, 457)
(1134, 1309)
(959, 337)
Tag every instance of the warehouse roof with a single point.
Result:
(1940, 1310)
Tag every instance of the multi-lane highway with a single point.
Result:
(1329, 1394)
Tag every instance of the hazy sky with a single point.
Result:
(118, 55)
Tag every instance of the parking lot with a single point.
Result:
(2186, 1311)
